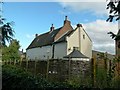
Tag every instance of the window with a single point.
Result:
(83, 36)
(69, 49)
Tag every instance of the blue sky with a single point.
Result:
(36, 17)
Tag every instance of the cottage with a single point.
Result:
(58, 43)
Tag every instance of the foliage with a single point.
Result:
(6, 30)
(15, 77)
(80, 82)
(12, 51)
(114, 10)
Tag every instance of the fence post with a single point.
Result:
(47, 68)
(26, 64)
(14, 61)
(35, 66)
(93, 65)
(69, 61)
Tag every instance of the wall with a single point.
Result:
(72, 41)
(76, 40)
(86, 43)
(39, 53)
(60, 50)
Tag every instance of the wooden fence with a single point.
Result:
(55, 69)
(63, 70)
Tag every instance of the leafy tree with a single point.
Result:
(114, 12)
(114, 9)
(6, 31)
(12, 51)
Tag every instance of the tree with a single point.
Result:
(114, 9)
(114, 12)
(6, 31)
(12, 51)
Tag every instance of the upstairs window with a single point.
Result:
(83, 36)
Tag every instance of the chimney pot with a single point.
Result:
(65, 17)
(36, 35)
(52, 28)
(66, 21)
(79, 25)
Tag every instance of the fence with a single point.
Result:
(55, 69)
(58, 70)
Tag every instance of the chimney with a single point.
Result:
(22, 50)
(52, 28)
(79, 25)
(66, 20)
(65, 17)
(36, 35)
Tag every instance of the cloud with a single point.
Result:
(97, 31)
(97, 8)
(64, 12)
(30, 36)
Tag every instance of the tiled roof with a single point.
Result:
(48, 38)
(44, 39)
(63, 38)
(75, 54)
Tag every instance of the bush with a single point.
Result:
(15, 77)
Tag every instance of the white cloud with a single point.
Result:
(97, 31)
(97, 8)
(30, 36)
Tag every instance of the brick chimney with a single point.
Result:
(52, 28)
(66, 28)
(66, 21)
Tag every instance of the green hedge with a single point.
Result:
(15, 77)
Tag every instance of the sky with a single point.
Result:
(36, 18)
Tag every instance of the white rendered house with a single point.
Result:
(58, 43)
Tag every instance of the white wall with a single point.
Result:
(39, 53)
(72, 41)
(86, 43)
(60, 50)
(76, 40)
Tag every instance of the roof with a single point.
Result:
(63, 38)
(75, 54)
(44, 39)
(48, 38)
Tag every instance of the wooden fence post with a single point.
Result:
(93, 65)
(35, 66)
(27, 64)
(14, 61)
(47, 69)
(69, 62)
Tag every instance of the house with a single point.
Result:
(58, 43)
